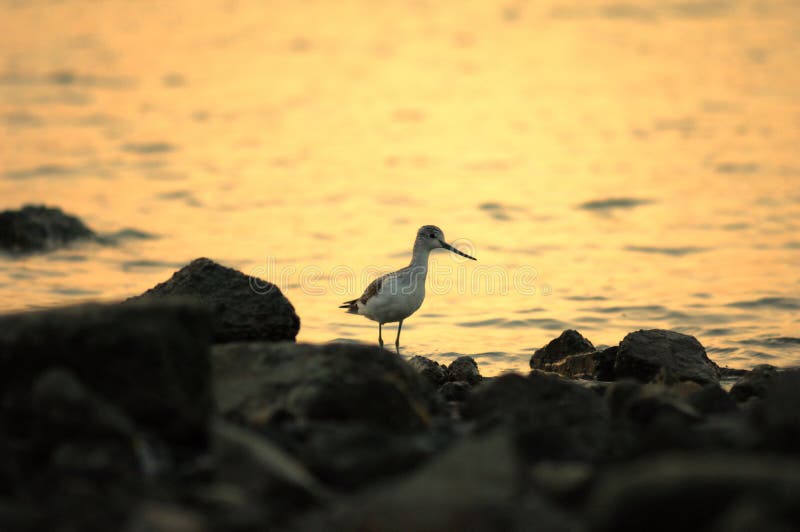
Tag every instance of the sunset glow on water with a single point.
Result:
(613, 166)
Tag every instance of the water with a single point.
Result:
(613, 165)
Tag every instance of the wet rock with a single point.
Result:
(244, 308)
(570, 342)
(259, 382)
(551, 417)
(475, 485)
(593, 365)
(455, 390)
(689, 492)
(148, 359)
(464, 369)
(753, 383)
(38, 228)
(643, 354)
(434, 372)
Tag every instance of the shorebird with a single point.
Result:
(396, 296)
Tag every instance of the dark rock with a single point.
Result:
(264, 471)
(149, 359)
(464, 369)
(674, 492)
(653, 401)
(649, 418)
(245, 308)
(753, 383)
(711, 399)
(62, 404)
(643, 354)
(348, 456)
(257, 382)
(476, 485)
(594, 365)
(39, 228)
(566, 482)
(155, 516)
(455, 390)
(434, 372)
(754, 512)
(552, 418)
(569, 343)
(777, 416)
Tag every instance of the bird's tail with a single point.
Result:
(351, 306)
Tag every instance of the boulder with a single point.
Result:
(38, 228)
(570, 342)
(464, 369)
(642, 355)
(273, 485)
(432, 371)
(350, 413)
(777, 416)
(552, 418)
(454, 390)
(244, 308)
(597, 365)
(261, 382)
(711, 399)
(475, 485)
(690, 492)
(753, 383)
(148, 359)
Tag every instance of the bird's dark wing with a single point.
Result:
(373, 288)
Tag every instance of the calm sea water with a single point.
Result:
(613, 165)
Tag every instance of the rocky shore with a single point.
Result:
(191, 408)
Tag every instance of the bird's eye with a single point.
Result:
(432, 235)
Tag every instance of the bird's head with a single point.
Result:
(432, 237)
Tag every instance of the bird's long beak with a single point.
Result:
(445, 245)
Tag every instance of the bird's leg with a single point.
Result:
(397, 340)
(380, 338)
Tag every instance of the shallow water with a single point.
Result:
(613, 165)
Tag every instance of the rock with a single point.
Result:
(754, 512)
(454, 390)
(464, 369)
(753, 383)
(566, 482)
(278, 485)
(245, 308)
(552, 418)
(148, 359)
(433, 372)
(39, 228)
(643, 354)
(257, 382)
(777, 416)
(472, 486)
(680, 492)
(593, 365)
(569, 343)
(711, 399)
(349, 456)
(163, 517)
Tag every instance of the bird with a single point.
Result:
(397, 295)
